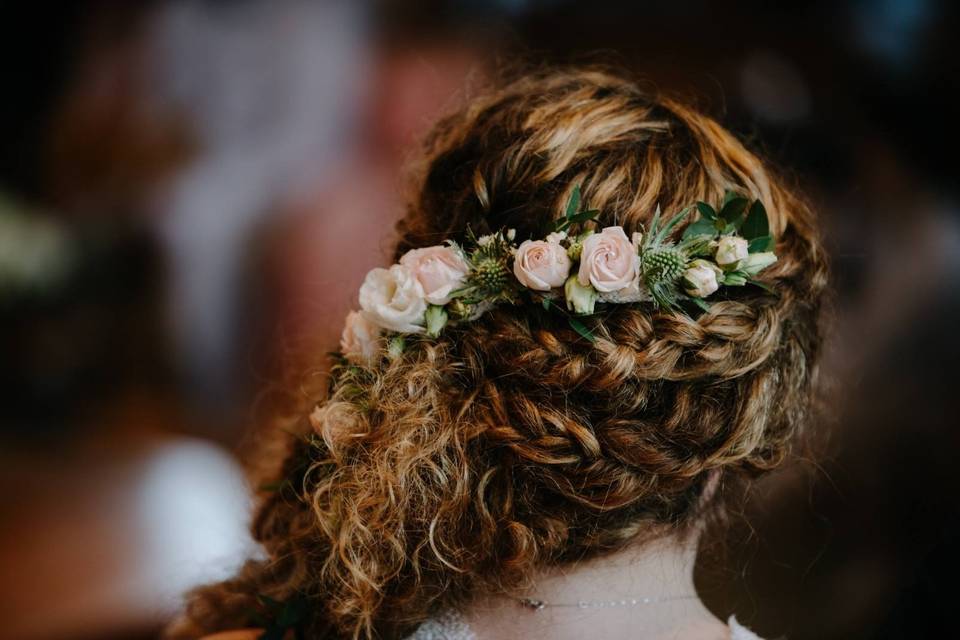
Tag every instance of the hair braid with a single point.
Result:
(510, 443)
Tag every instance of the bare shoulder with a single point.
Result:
(740, 632)
(239, 634)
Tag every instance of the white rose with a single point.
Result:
(608, 260)
(731, 252)
(700, 278)
(541, 265)
(556, 236)
(360, 340)
(393, 299)
(439, 270)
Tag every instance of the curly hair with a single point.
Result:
(510, 443)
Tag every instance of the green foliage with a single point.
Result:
(574, 322)
(436, 319)
(701, 227)
(572, 214)
(761, 244)
(756, 224)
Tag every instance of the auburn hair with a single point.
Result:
(511, 443)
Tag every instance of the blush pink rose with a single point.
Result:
(360, 340)
(440, 270)
(541, 265)
(608, 261)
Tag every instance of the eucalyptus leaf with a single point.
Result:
(573, 204)
(761, 244)
(583, 216)
(756, 225)
(702, 227)
(728, 195)
(706, 211)
(762, 285)
(581, 328)
(735, 279)
(700, 302)
(733, 208)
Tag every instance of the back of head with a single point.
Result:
(511, 443)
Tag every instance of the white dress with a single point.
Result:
(450, 626)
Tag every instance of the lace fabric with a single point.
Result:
(450, 626)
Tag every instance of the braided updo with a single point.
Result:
(511, 443)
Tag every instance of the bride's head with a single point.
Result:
(511, 443)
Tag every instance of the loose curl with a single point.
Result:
(510, 444)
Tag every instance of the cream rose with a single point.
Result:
(439, 270)
(393, 299)
(581, 298)
(700, 278)
(608, 260)
(731, 252)
(541, 265)
(360, 340)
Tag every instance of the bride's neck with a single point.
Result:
(660, 572)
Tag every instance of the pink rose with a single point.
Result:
(608, 261)
(541, 265)
(360, 341)
(439, 270)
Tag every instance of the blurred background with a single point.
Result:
(169, 176)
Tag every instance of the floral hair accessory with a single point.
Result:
(570, 272)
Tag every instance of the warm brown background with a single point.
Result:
(190, 193)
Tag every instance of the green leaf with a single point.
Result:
(662, 233)
(761, 244)
(436, 319)
(762, 285)
(395, 346)
(583, 216)
(581, 328)
(702, 227)
(700, 302)
(733, 208)
(546, 304)
(706, 211)
(573, 204)
(756, 225)
(735, 279)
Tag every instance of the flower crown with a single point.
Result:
(576, 266)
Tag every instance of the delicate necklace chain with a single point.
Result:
(535, 604)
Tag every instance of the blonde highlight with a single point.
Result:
(510, 443)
